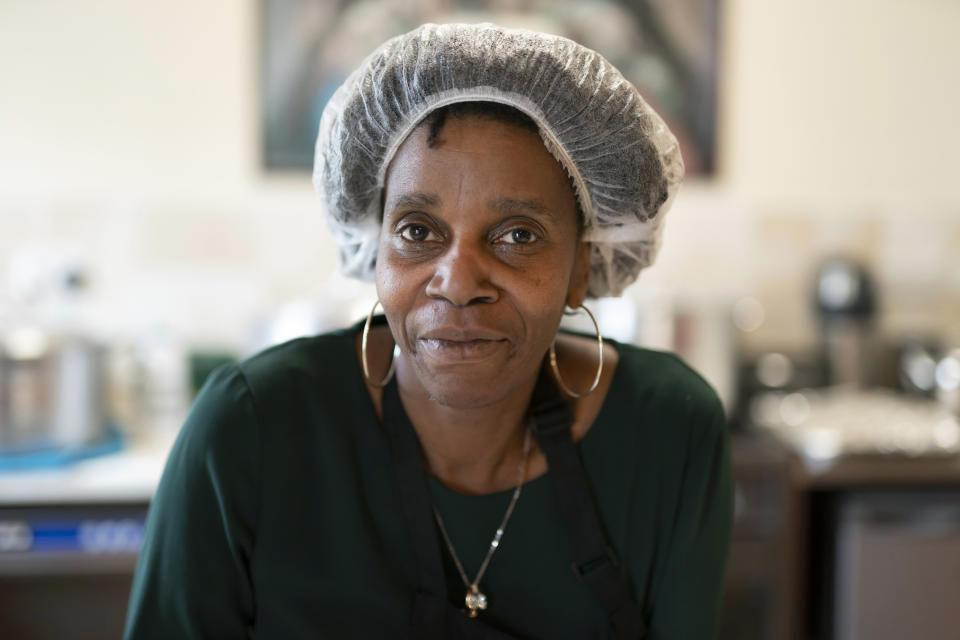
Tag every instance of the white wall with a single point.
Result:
(130, 132)
(853, 99)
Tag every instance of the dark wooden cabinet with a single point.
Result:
(866, 547)
(761, 596)
(66, 570)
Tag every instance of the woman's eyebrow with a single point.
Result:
(415, 199)
(516, 205)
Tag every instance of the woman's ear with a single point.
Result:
(580, 278)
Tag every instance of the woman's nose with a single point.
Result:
(462, 276)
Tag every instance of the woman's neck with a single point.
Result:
(477, 451)
(474, 450)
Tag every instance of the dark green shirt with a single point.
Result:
(277, 511)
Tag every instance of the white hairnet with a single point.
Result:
(624, 163)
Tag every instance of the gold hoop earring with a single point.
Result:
(363, 353)
(596, 379)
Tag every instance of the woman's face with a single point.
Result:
(479, 253)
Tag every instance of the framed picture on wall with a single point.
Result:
(667, 48)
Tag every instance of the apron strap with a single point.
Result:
(432, 617)
(428, 619)
(595, 562)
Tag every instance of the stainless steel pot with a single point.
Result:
(52, 391)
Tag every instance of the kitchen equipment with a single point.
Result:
(917, 364)
(52, 371)
(947, 377)
(897, 562)
(51, 391)
(66, 570)
(846, 305)
(765, 371)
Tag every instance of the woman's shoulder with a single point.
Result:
(655, 380)
(655, 367)
(284, 393)
(306, 361)
(288, 384)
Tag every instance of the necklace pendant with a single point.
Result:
(475, 601)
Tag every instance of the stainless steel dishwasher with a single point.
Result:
(897, 568)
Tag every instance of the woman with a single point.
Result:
(458, 468)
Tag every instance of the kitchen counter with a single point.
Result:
(806, 530)
(879, 471)
(130, 476)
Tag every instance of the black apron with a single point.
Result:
(594, 562)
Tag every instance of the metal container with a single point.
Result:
(846, 303)
(52, 392)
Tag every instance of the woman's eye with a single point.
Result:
(415, 232)
(520, 236)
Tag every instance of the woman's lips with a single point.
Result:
(461, 350)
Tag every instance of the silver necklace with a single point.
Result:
(475, 599)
